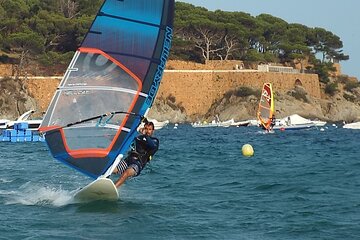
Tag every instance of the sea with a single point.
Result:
(302, 184)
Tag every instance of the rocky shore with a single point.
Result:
(15, 99)
(18, 96)
(330, 109)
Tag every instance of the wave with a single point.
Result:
(31, 194)
(2, 180)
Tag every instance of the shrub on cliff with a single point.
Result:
(171, 102)
(242, 92)
(4, 58)
(343, 79)
(331, 88)
(349, 97)
(351, 85)
(299, 93)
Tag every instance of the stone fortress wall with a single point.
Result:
(197, 86)
(194, 86)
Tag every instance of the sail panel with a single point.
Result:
(95, 69)
(93, 85)
(113, 35)
(117, 70)
(266, 106)
(138, 66)
(140, 11)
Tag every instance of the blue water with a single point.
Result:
(299, 185)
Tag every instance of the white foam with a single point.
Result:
(34, 194)
(2, 180)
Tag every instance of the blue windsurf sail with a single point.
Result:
(109, 85)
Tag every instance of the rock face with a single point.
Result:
(294, 101)
(164, 110)
(187, 95)
(17, 98)
(197, 90)
(14, 98)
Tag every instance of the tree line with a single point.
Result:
(49, 32)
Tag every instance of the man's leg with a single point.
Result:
(129, 172)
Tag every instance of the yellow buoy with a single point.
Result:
(247, 150)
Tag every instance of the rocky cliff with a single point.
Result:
(204, 91)
(187, 94)
(15, 98)
(294, 101)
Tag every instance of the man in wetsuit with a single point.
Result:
(144, 147)
(273, 122)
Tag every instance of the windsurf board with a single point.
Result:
(100, 189)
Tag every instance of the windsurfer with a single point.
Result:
(273, 121)
(144, 147)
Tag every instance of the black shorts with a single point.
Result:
(135, 164)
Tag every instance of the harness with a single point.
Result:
(143, 150)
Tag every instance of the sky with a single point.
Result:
(342, 18)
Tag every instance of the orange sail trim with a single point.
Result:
(47, 129)
(98, 152)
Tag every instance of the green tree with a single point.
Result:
(25, 43)
(89, 7)
(253, 55)
(294, 53)
(273, 29)
(54, 28)
(328, 44)
(323, 70)
(199, 34)
(17, 9)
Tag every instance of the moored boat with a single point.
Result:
(293, 122)
(355, 125)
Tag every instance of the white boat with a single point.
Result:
(241, 123)
(159, 125)
(33, 124)
(226, 123)
(205, 124)
(213, 123)
(3, 123)
(293, 122)
(318, 123)
(355, 125)
(293, 127)
(254, 122)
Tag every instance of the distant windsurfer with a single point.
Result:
(144, 147)
(271, 126)
(273, 122)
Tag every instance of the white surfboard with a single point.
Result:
(100, 189)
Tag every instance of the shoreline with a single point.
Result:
(187, 94)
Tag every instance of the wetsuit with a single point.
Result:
(143, 148)
(273, 122)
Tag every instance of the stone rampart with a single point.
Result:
(196, 90)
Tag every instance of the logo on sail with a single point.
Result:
(160, 69)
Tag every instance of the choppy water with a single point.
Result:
(299, 185)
